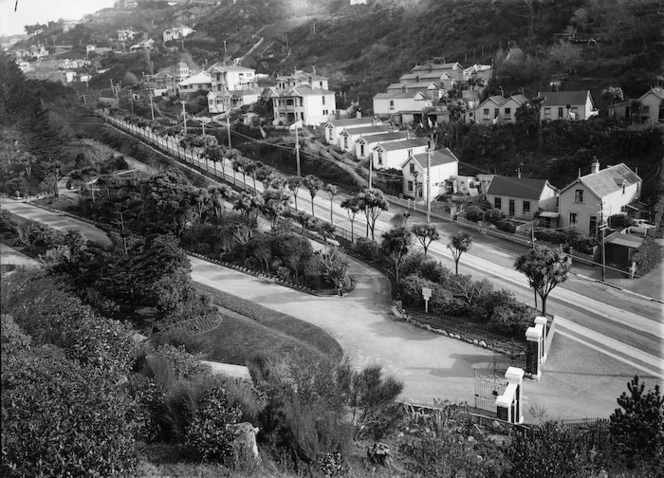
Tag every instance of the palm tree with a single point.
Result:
(313, 184)
(459, 243)
(331, 191)
(293, 183)
(352, 207)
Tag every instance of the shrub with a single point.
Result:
(411, 290)
(474, 213)
(506, 225)
(551, 236)
(584, 245)
(61, 419)
(620, 221)
(512, 319)
(207, 435)
(494, 216)
(648, 255)
(367, 249)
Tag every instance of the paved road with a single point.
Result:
(578, 380)
(9, 255)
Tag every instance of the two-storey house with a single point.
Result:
(567, 105)
(521, 198)
(347, 137)
(365, 144)
(312, 106)
(394, 154)
(222, 101)
(444, 165)
(496, 109)
(177, 33)
(335, 126)
(231, 77)
(590, 200)
(301, 77)
(430, 89)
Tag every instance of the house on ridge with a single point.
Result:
(365, 144)
(347, 137)
(653, 105)
(312, 106)
(567, 105)
(335, 126)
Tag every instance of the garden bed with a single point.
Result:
(473, 332)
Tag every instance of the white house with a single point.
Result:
(301, 77)
(145, 44)
(222, 101)
(393, 154)
(431, 89)
(496, 109)
(521, 198)
(347, 137)
(444, 165)
(590, 200)
(127, 34)
(653, 105)
(200, 81)
(312, 106)
(394, 102)
(567, 105)
(177, 33)
(335, 126)
(231, 77)
(365, 144)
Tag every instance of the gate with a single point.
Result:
(487, 389)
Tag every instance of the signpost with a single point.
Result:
(426, 293)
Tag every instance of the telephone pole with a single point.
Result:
(184, 116)
(228, 126)
(297, 150)
(370, 169)
(151, 103)
(429, 184)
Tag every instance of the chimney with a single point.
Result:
(518, 173)
(594, 167)
(313, 69)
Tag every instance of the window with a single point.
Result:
(362, 150)
(302, 102)
(486, 114)
(289, 102)
(323, 98)
(380, 158)
(573, 218)
(320, 83)
(391, 104)
(410, 186)
(547, 113)
(560, 113)
(498, 203)
(575, 112)
(302, 116)
(496, 113)
(508, 113)
(526, 207)
(412, 168)
(578, 195)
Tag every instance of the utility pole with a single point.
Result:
(151, 103)
(184, 116)
(532, 236)
(297, 150)
(370, 170)
(203, 126)
(131, 101)
(429, 184)
(228, 127)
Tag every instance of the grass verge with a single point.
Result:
(263, 330)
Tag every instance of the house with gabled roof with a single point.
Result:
(231, 77)
(365, 144)
(652, 105)
(430, 88)
(311, 106)
(567, 105)
(590, 200)
(393, 154)
(444, 165)
(347, 137)
(334, 126)
(497, 109)
(222, 101)
(200, 81)
(392, 103)
(301, 77)
(521, 198)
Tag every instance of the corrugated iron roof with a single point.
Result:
(408, 144)
(610, 179)
(441, 156)
(527, 188)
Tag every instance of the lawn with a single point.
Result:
(257, 329)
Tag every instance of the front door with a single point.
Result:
(592, 228)
(511, 208)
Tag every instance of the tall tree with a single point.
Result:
(313, 184)
(395, 244)
(352, 207)
(545, 269)
(459, 243)
(637, 427)
(426, 234)
(331, 191)
(294, 183)
(373, 203)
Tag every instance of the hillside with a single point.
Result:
(363, 48)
